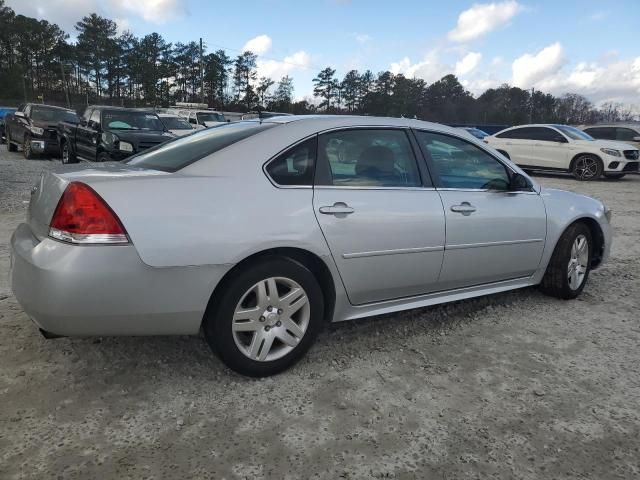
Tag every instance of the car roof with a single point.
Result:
(167, 115)
(635, 126)
(109, 107)
(53, 107)
(322, 122)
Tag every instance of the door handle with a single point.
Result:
(465, 208)
(338, 208)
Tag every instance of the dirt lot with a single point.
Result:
(517, 385)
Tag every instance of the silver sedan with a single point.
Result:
(258, 232)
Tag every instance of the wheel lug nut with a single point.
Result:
(270, 308)
(278, 323)
(279, 311)
(267, 328)
(261, 318)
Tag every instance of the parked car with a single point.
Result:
(345, 219)
(35, 127)
(176, 124)
(564, 148)
(621, 132)
(111, 133)
(200, 118)
(4, 111)
(476, 132)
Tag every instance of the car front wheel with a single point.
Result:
(26, 148)
(569, 267)
(587, 167)
(266, 318)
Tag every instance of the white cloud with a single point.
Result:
(362, 38)
(429, 69)
(123, 25)
(258, 45)
(497, 61)
(66, 13)
(276, 69)
(531, 69)
(600, 15)
(483, 18)
(154, 11)
(468, 63)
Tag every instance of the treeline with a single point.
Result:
(39, 62)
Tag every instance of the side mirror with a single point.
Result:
(636, 139)
(519, 183)
(19, 114)
(93, 124)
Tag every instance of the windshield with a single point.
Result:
(574, 133)
(210, 117)
(131, 120)
(182, 151)
(176, 123)
(43, 114)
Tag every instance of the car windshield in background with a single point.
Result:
(180, 152)
(210, 117)
(42, 114)
(573, 133)
(176, 123)
(130, 120)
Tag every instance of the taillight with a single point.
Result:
(82, 216)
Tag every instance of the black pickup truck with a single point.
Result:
(110, 134)
(34, 127)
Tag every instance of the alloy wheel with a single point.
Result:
(271, 319)
(578, 262)
(586, 167)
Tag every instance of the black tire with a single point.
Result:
(10, 146)
(67, 155)
(587, 167)
(556, 279)
(614, 176)
(219, 316)
(26, 148)
(103, 157)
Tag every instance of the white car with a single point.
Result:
(176, 124)
(200, 118)
(565, 148)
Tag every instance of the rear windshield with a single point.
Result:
(175, 154)
(176, 123)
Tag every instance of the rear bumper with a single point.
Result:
(105, 290)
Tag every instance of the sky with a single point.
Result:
(587, 47)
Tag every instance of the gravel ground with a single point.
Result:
(516, 385)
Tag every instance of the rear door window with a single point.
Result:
(182, 151)
(369, 158)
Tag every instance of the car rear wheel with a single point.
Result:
(26, 148)
(587, 167)
(266, 318)
(614, 176)
(570, 264)
(10, 145)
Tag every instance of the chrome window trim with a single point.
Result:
(371, 187)
(486, 190)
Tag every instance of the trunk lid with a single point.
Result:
(47, 192)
